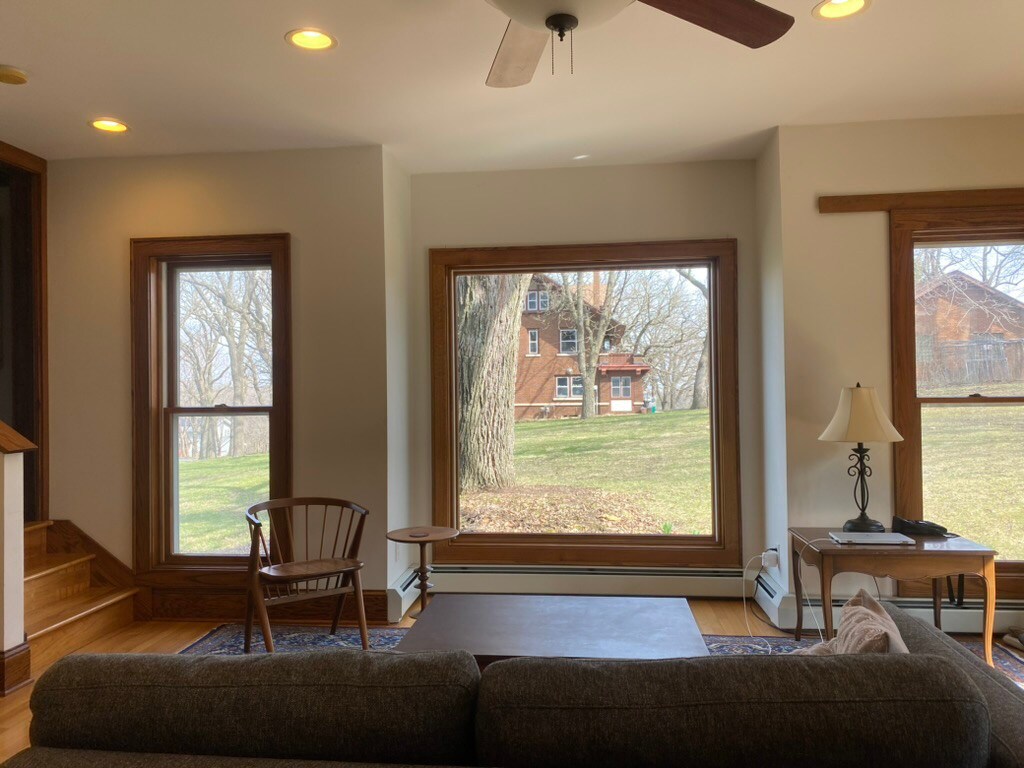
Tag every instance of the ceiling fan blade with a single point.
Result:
(517, 57)
(745, 21)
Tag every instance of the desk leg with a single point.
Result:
(826, 594)
(799, 589)
(989, 578)
(937, 602)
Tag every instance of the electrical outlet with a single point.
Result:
(770, 558)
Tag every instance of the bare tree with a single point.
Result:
(702, 382)
(488, 316)
(591, 299)
(665, 324)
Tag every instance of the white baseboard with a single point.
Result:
(541, 580)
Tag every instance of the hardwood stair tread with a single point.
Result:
(36, 525)
(41, 565)
(47, 618)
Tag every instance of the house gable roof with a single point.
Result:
(946, 280)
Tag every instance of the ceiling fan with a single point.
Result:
(746, 21)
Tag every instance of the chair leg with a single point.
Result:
(268, 638)
(250, 614)
(357, 587)
(337, 613)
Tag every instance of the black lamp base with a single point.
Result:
(863, 524)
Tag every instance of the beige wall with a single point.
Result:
(835, 275)
(581, 205)
(400, 331)
(331, 201)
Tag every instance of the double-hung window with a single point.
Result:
(211, 393)
(622, 386)
(958, 376)
(567, 341)
(534, 341)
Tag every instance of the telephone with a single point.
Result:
(916, 527)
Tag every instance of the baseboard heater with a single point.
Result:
(576, 570)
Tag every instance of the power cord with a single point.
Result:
(746, 616)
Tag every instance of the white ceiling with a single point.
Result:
(216, 75)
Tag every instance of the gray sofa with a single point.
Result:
(939, 706)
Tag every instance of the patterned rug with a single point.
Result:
(226, 640)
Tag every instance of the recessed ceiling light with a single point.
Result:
(310, 39)
(581, 157)
(839, 9)
(108, 125)
(12, 75)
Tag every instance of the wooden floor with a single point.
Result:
(715, 617)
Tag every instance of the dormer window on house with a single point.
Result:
(537, 301)
(567, 341)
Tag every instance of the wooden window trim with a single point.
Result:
(154, 563)
(36, 166)
(909, 227)
(720, 549)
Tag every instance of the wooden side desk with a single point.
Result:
(932, 557)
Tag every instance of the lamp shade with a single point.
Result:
(860, 419)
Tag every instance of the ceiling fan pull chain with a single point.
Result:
(552, 52)
(572, 56)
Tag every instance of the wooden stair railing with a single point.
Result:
(14, 651)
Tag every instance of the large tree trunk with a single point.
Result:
(488, 318)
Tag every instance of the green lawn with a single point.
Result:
(973, 458)
(213, 496)
(645, 473)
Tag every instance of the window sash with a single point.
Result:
(567, 341)
(531, 301)
(534, 342)
(543, 302)
(562, 387)
(622, 386)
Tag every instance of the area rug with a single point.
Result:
(226, 640)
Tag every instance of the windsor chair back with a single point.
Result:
(302, 549)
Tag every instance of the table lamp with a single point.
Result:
(860, 419)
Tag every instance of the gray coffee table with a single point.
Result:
(494, 627)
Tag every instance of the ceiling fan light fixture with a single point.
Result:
(830, 10)
(310, 39)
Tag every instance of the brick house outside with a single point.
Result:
(548, 381)
(967, 332)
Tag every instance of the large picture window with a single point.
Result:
(958, 394)
(212, 344)
(617, 443)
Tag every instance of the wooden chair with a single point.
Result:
(310, 551)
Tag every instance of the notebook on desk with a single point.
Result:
(842, 537)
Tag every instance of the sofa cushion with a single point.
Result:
(327, 705)
(864, 627)
(892, 709)
(45, 757)
(1005, 699)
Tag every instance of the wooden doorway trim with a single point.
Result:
(36, 166)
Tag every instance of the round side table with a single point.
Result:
(423, 535)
